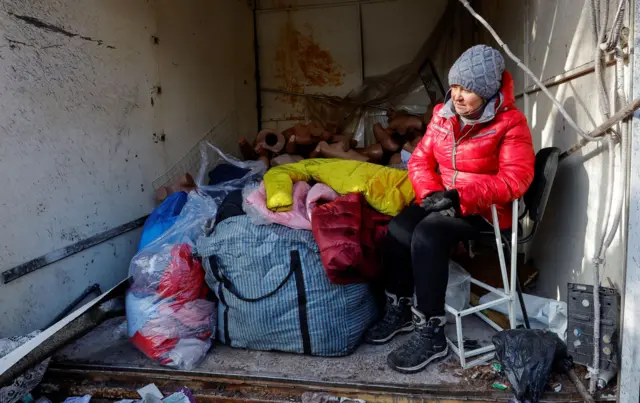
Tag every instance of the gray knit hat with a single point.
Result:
(479, 69)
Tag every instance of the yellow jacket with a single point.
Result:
(387, 190)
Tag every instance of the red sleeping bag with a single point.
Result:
(349, 234)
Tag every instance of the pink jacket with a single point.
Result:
(305, 199)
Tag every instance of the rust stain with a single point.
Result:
(281, 4)
(301, 62)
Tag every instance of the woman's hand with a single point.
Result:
(445, 202)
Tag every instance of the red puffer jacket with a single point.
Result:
(487, 163)
(349, 234)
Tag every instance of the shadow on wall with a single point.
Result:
(562, 233)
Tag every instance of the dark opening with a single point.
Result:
(271, 139)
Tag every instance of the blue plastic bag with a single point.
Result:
(162, 218)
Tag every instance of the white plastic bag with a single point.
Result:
(544, 313)
(458, 289)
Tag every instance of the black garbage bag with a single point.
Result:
(528, 356)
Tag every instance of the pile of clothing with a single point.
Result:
(348, 210)
(280, 261)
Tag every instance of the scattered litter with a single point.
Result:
(321, 397)
(150, 389)
(497, 368)
(182, 395)
(557, 387)
(78, 399)
(25, 383)
(500, 386)
(149, 398)
(484, 372)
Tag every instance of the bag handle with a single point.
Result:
(217, 273)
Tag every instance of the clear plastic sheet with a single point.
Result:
(409, 87)
(210, 156)
(250, 209)
(169, 318)
(458, 293)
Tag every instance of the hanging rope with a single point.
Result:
(607, 44)
(535, 79)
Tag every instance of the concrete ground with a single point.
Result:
(108, 345)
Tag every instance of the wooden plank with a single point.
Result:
(59, 254)
(66, 330)
(499, 318)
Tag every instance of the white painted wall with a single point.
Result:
(207, 69)
(77, 151)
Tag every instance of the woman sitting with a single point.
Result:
(476, 152)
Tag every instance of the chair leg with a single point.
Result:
(525, 316)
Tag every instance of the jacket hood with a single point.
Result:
(505, 98)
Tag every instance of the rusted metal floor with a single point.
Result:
(105, 365)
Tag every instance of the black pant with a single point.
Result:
(417, 251)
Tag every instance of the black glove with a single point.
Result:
(440, 201)
(450, 212)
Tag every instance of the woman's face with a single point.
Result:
(465, 101)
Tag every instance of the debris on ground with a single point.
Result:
(78, 399)
(182, 395)
(322, 397)
(150, 389)
(22, 385)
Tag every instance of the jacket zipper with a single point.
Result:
(453, 155)
(455, 144)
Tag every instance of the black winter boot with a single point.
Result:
(397, 319)
(427, 344)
